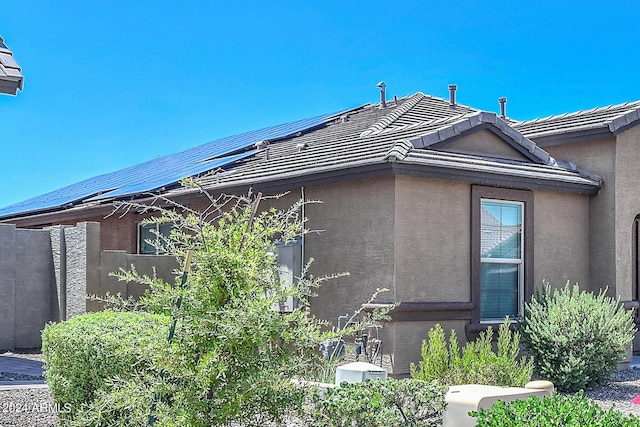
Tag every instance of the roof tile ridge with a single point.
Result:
(393, 115)
(632, 104)
(398, 151)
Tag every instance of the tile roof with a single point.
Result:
(11, 79)
(373, 137)
(609, 119)
(367, 139)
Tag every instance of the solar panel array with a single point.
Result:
(163, 171)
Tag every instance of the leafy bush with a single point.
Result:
(85, 352)
(558, 410)
(478, 364)
(232, 355)
(576, 338)
(408, 402)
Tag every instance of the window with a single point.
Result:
(502, 259)
(152, 238)
(501, 253)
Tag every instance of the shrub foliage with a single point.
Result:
(558, 410)
(576, 338)
(478, 363)
(85, 352)
(409, 402)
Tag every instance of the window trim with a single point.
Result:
(478, 193)
(517, 261)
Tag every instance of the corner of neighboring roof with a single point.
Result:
(11, 78)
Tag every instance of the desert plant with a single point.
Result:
(557, 410)
(576, 338)
(478, 363)
(84, 353)
(407, 402)
(232, 355)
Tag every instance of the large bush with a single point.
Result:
(410, 403)
(558, 410)
(576, 338)
(86, 352)
(478, 363)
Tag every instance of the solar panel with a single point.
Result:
(163, 171)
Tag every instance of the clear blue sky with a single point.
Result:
(109, 84)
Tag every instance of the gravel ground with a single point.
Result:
(33, 407)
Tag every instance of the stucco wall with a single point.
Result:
(627, 207)
(561, 241)
(432, 240)
(113, 261)
(597, 157)
(357, 223)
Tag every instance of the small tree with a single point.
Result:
(231, 356)
(576, 338)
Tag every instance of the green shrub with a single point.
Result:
(576, 338)
(85, 352)
(408, 402)
(478, 364)
(558, 410)
(232, 356)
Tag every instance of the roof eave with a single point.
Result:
(10, 86)
(549, 140)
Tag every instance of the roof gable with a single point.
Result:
(483, 142)
(473, 122)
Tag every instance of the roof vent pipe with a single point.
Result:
(452, 95)
(503, 107)
(383, 94)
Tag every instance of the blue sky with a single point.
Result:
(109, 84)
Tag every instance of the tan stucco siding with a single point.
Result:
(356, 219)
(561, 238)
(597, 157)
(627, 207)
(483, 143)
(432, 240)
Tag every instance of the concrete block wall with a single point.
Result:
(46, 274)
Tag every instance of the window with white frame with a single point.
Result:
(501, 259)
(152, 238)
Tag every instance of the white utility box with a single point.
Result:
(358, 372)
(462, 399)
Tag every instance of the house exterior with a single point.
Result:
(460, 213)
(11, 79)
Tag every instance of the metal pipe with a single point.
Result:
(452, 95)
(383, 94)
(503, 107)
